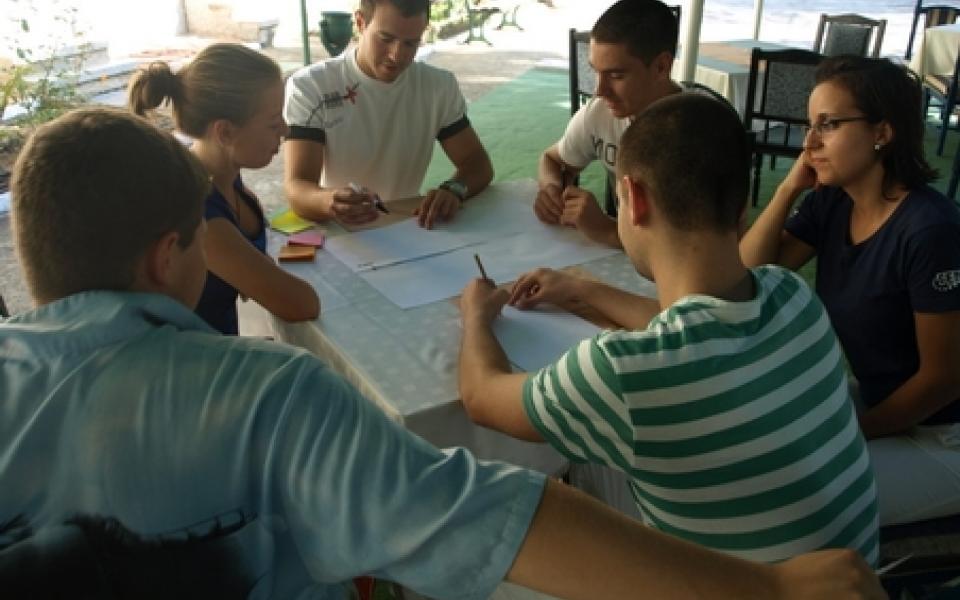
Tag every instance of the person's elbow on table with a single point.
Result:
(476, 407)
(304, 305)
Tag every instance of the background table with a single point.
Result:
(725, 67)
(938, 51)
(406, 360)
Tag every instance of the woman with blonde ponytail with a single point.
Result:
(229, 99)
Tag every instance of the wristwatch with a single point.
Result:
(455, 187)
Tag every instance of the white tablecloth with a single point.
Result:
(938, 51)
(406, 360)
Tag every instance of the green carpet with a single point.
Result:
(516, 122)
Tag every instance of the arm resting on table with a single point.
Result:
(578, 548)
(492, 395)
(232, 258)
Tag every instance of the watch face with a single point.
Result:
(456, 187)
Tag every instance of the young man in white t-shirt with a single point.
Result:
(364, 124)
(632, 46)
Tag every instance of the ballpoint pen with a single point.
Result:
(377, 202)
(483, 272)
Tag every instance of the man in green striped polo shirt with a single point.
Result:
(725, 401)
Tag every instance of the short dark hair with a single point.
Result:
(646, 27)
(694, 153)
(91, 191)
(885, 91)
(408, 8)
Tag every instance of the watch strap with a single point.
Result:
(455, 187)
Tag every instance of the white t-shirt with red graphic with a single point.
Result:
(375, 134)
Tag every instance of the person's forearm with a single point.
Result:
(550, 172)
(476, 174)
(606, 235)
(481, 357)
(917, 399)
(309, 200)
(299, 301)
(625, 558)
(761, 243)
(627, 310)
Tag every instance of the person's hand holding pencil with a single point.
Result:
(481, 299)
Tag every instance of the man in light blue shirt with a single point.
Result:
(119, 403)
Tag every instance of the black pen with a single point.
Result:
(374, 199)
(483, 272)
(379, 205)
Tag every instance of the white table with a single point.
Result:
(406, 360)
(725, 67)
(937, 54)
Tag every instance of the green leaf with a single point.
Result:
(24, 25)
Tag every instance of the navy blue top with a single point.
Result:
(872, 289)
(218, 304)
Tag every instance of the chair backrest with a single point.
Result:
(583, 79)
(777, 91)
(940, 14)
(849, 34)
(697, 87)
(933, 548)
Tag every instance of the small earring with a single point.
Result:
(877, 147)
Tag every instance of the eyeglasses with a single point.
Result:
(828, 125)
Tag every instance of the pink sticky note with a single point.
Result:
(307, 238)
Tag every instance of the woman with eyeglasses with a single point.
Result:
(888, 271)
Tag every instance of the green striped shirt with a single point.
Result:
(732, 421)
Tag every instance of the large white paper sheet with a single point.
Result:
(501, 210)
(444, 276)
(533, 339)
(394, 244)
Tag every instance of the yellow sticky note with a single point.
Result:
(289, 222)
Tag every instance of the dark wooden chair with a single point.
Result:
(583, 79)
(777, 91)
(849, 34)
(940, 14)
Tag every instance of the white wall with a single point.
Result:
(125, 25)
(129, 25)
